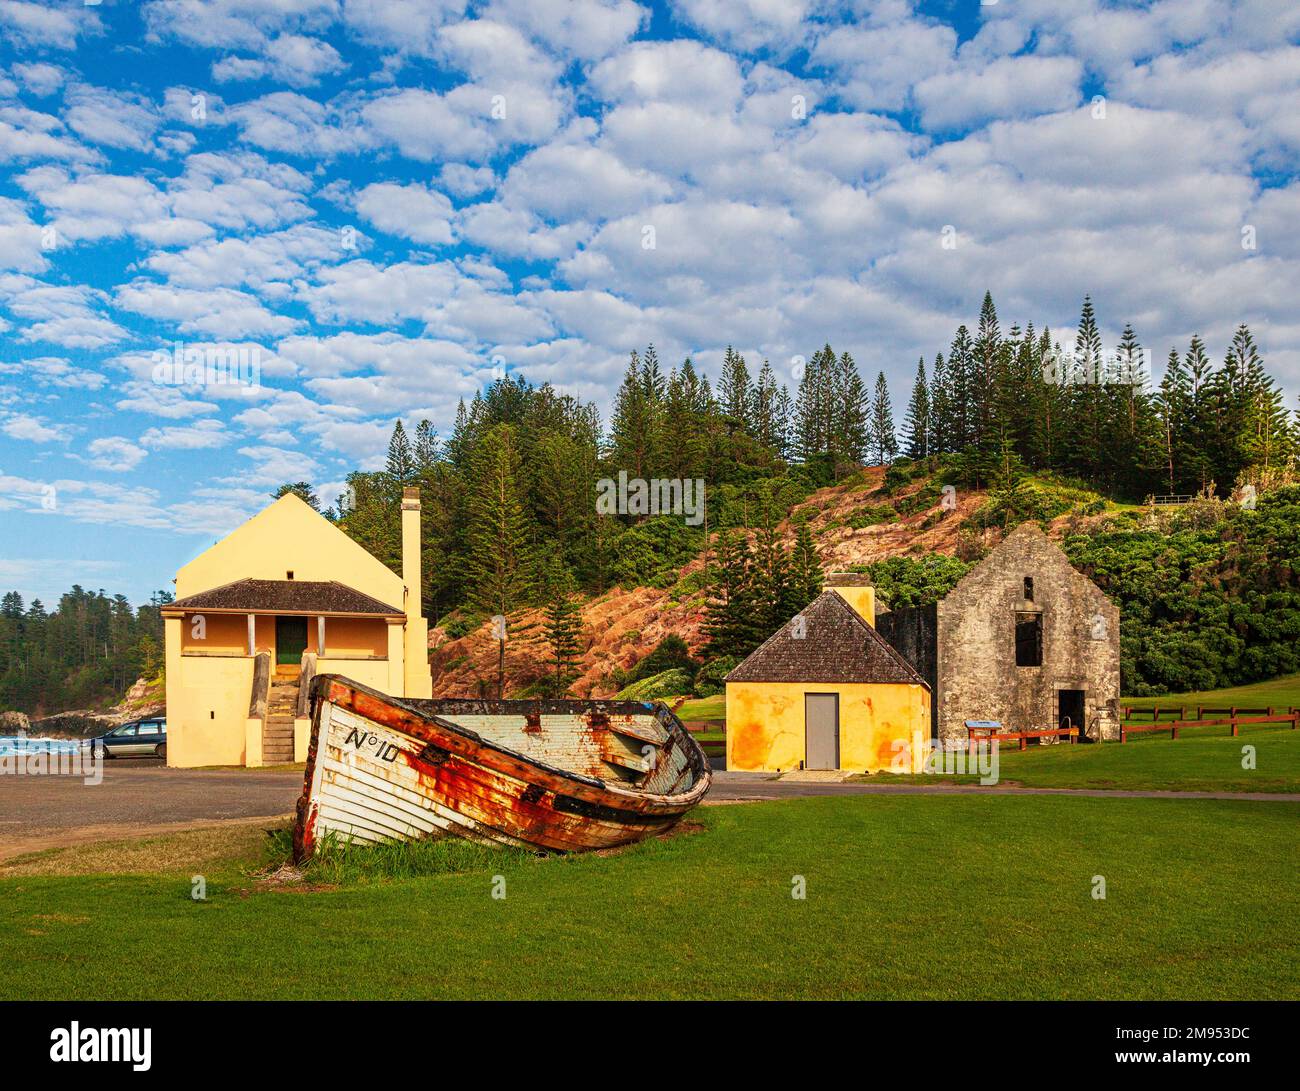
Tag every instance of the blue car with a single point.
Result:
(140, 738)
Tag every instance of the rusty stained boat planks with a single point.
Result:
(554, 776)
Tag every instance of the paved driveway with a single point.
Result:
(136, 796)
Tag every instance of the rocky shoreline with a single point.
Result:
(141, 700)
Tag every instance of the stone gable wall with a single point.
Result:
(977, 672)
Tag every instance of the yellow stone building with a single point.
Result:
(283, 597)
(826, 691)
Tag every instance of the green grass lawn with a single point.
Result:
(1201, 759)
(1281, 693)
(967, 896)
(704, 708)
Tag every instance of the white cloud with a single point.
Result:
(578, 181)
(115, 454)
(112, 118)
(1009, 87)
(90, 206)
(266, 263)
(875, 67)
(586, 29)
(683, 71)
(493, 54)
(62, 315)
(30, 429)
(40, 78)
(217, 312)
(20, 239)
(45, 26)
(423, 125)
(747, 24)
(202, 435)
(234, 24)
(412, 211)
(287, 122)
(29, 134)
(289, 58)
(466, 181)
(404, 25)
(54, 371)
(274, 465)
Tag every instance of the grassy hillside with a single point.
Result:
(870, 516)
(1209, 593)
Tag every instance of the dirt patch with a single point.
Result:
(99, 850)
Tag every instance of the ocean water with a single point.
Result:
(15, 744)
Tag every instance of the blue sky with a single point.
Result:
(385, 201)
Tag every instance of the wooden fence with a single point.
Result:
(1233, 722)
(1179, 712)
(713, 748)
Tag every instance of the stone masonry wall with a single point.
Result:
(977, 672)
(912, 631)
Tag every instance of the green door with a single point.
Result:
(290, 639)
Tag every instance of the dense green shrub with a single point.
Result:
(709, 678)
(1207, 604)
(670, 653)
(915, 581)
(671, 683)
(650, 553)
(870, 515)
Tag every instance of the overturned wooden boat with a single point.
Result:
(556, 776)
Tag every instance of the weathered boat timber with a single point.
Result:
(558, 776)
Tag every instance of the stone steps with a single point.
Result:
(281, 708)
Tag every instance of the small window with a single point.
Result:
(1029, 640)
(127, 732)
(148, 729)
(1029, 588)
(288, 575)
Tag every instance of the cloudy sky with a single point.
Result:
(382, 202)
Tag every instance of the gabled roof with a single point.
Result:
(837, 646)
(289, 535)
(285, 597)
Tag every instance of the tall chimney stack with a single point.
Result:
(856, 589)
(417, 677)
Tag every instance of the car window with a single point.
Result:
(148, 729)
(124, 732)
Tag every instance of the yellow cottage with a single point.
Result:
(283, 597)
(826, 691)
